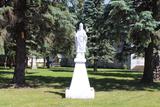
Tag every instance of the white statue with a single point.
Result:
(80, 86)
(81, 41)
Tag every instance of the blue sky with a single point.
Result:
(106, 1)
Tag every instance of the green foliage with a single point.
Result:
(3, 26)
(63, 28)
(145, 26)
(118, 6)
(99, 47)
(78, 8)
(146, 21)
(135, 23)
(49, 25)
(50, 28)
(132, 29)
(117, 19)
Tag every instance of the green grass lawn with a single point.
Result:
(114, 88)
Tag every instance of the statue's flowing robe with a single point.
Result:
(81, 40)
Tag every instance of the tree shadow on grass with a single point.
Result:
(102, 84)
(4, 82)
(109, 84)
(121, 80)
(62, 69)
(4, 79)
(117, 74)
(62, 94)
(2, 68)
(5, 72)
(108, 81)
(48, 81)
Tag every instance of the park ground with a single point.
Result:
(114, 88)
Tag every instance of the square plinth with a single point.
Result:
(84, 94)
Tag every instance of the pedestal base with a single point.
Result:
(87, 94)
(80, 86)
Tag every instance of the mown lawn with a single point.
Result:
(114, 88)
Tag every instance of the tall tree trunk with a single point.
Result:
(95, 65)
(26, 62)
(11, 61)
(148, 74)
(19, 72)
(156, 66)
(148, 66)
(156, 56)
(20, 33)
(48, 62)
(44, 63)
(5, 62)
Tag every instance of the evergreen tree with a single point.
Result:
(38, 26)
(138, 19)
(149, 25)
(99, 47)
(7, 42)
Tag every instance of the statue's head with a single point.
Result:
(80, 26)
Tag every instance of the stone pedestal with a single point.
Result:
(80, 86)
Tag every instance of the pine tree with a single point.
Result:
(99, 47)
(37, 26)
(139, 19)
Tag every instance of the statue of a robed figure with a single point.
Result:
(80, 41)
(80, 86)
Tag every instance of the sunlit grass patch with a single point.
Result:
(114, 88)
